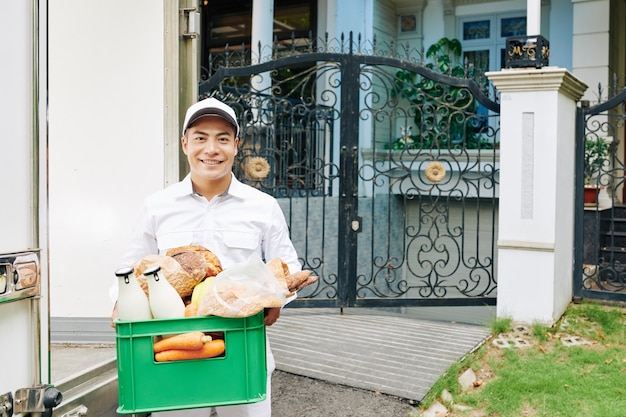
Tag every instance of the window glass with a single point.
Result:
(513, 26)
(502, 57)
(477, 30)
(230, 27)
(290, 18)
(230, 22)
(483, 46)
(477, 59)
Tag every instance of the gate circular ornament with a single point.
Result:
(257, 168)
(435, 171)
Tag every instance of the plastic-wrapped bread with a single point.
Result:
(243, 289)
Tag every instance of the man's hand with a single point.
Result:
(271, 315)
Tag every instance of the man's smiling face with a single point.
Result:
(210, 145)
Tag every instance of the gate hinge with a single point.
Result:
(189, 22)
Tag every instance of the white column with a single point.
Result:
(262, 34)
(536, 212)
(533, 17)
(345, 16)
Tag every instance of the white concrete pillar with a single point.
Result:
(345, 16)
(433, 30)
(262, 34)
(533, 17)
(262, 29)
(536, 213)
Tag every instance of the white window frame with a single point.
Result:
(495, 43)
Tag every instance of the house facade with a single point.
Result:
(127, 78)
(586, 37)
(93, 97)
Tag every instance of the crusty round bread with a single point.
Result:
(197, 260)
(175, 274)
(193, 262)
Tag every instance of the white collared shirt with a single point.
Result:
(233, 225)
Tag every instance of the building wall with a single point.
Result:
(590, 53)
(560, 33)
(385, 21)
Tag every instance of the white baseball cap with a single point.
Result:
(210, 107)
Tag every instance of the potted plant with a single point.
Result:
(597, 151)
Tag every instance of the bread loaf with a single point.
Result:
(197, 260)
(293, 281)
(171, 270)
(297, 279)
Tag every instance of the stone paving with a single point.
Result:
(391, 354)
(517, 338)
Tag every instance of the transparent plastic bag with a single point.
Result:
(243, 290)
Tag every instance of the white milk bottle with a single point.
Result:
(165, 302)
(132, 302)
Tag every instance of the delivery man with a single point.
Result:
(211, 208)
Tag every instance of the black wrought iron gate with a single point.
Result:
(600, 233)
(387, 171)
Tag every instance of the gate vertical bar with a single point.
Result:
(579, 201)
(348, 203)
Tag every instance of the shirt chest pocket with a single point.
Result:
(171, 240)
(241, 240)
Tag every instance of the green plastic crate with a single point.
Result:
(144, 385)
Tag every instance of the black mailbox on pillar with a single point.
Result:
(527, 51)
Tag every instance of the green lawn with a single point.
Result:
(548, 378)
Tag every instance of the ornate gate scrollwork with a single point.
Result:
(386, 170)
(600, 233)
